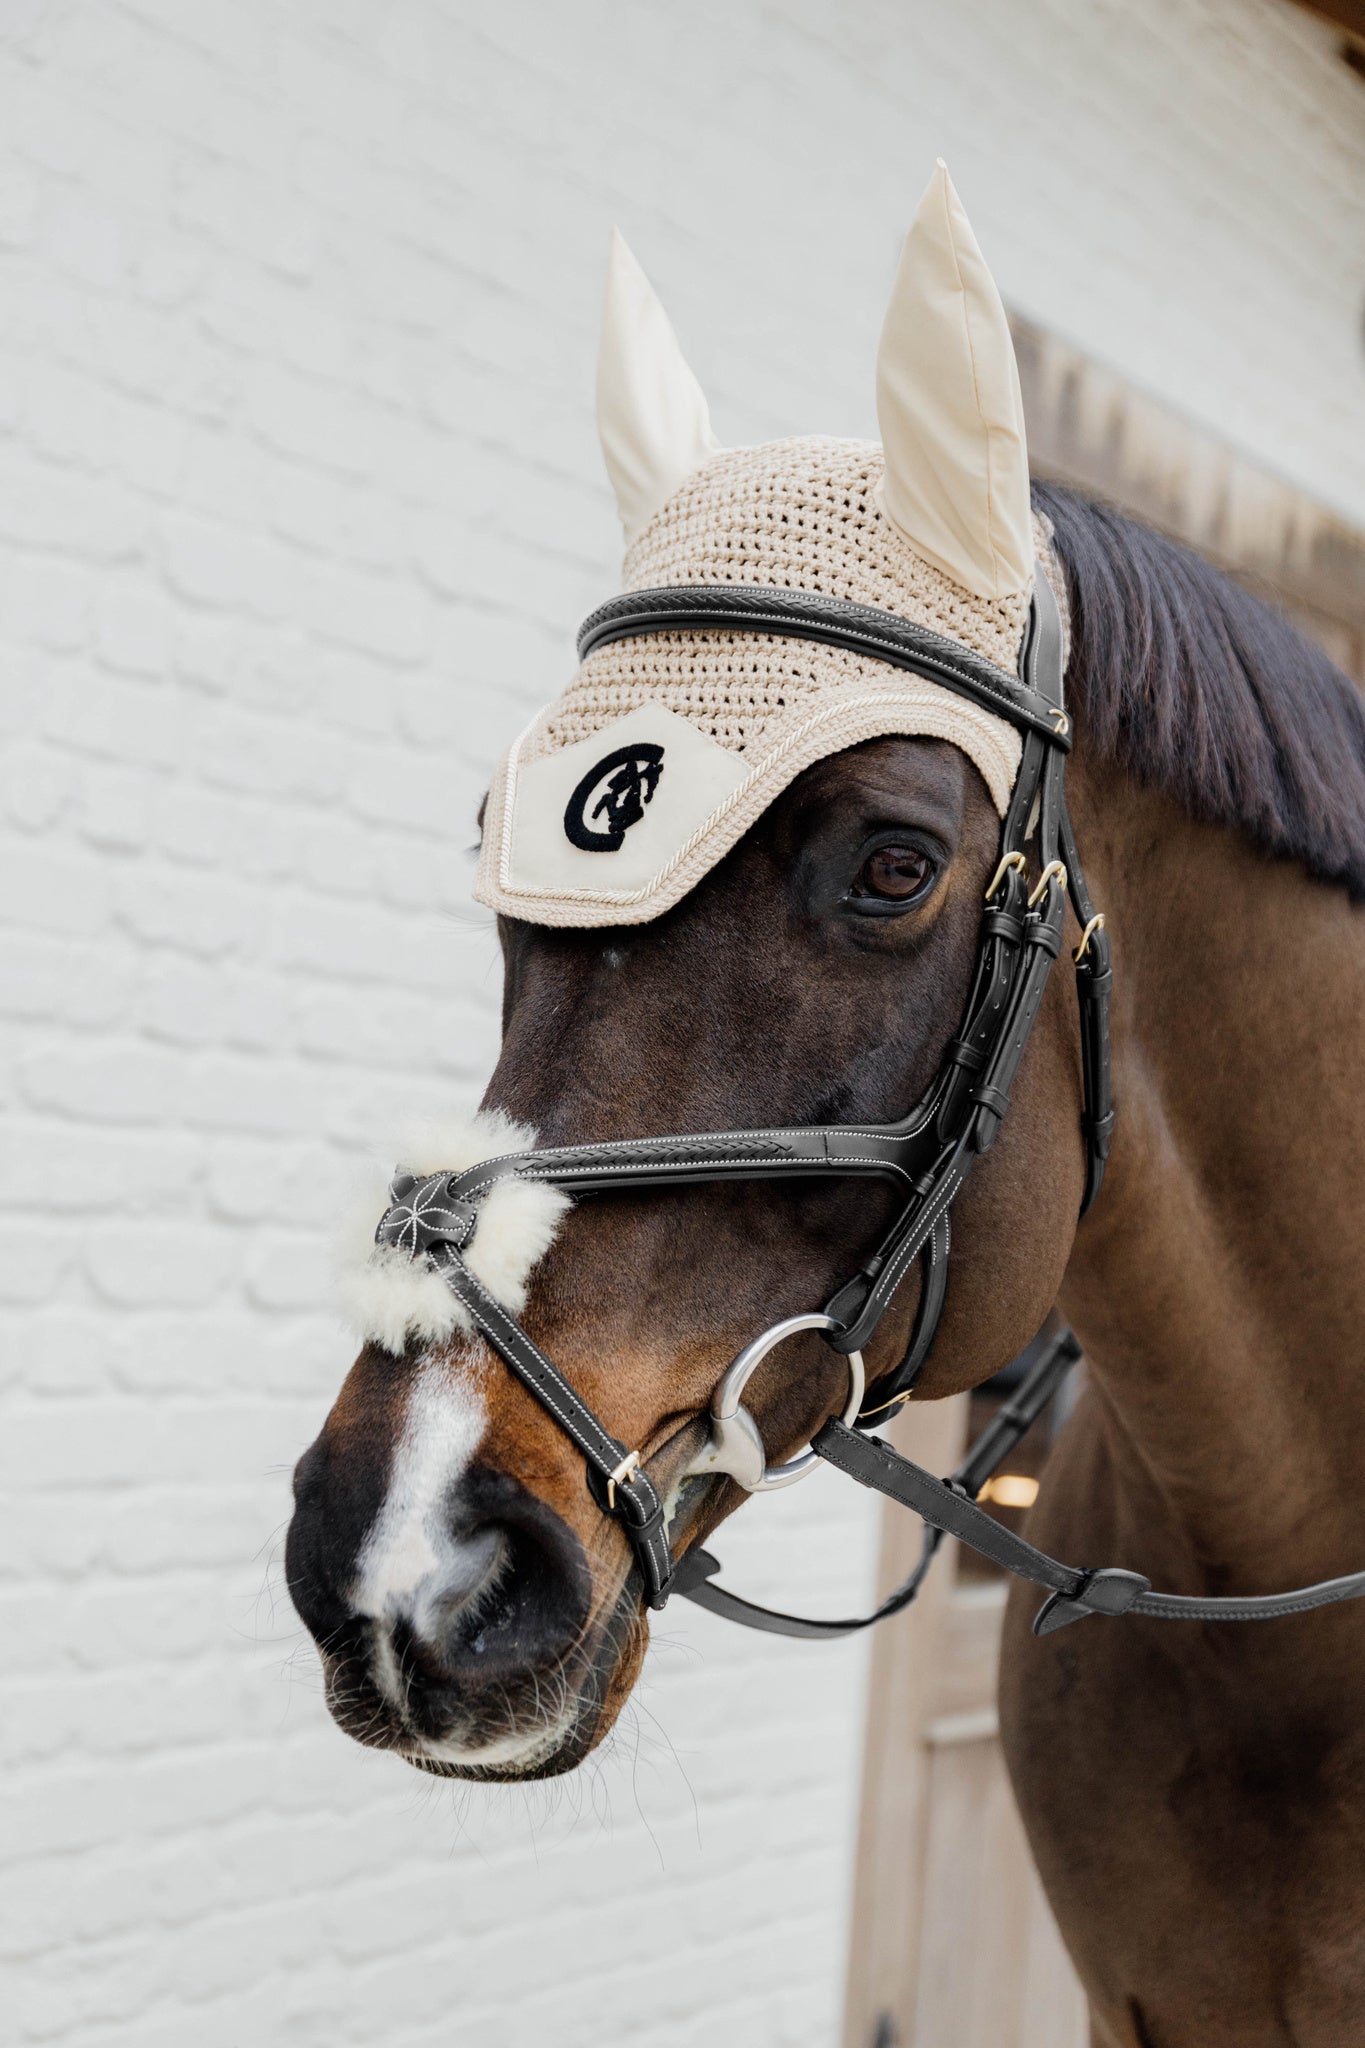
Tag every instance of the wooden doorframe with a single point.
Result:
(902, 1692)
(1089, 427)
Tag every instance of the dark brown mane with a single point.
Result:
(1194, 687)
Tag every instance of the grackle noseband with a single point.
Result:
(927, 1155)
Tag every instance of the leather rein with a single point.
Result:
(928, 1156)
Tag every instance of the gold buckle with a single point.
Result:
(1011, 860)
(1054, 871)
(627, 1469)
(1063, 723)
(1096, 924)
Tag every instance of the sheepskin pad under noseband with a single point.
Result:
(390, 1299)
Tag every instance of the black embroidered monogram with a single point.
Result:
(626, 779)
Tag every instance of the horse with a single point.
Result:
(1194, 1796)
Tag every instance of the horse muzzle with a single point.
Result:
(463, 1638)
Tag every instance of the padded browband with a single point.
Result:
(862, 628)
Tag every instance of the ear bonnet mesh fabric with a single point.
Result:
(755, 710)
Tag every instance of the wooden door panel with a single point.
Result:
(953, 1942)
(993, 1971)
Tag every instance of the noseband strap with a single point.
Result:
(618, 1482)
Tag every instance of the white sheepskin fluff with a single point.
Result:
(388, 1298)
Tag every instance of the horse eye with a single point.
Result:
(896, 874)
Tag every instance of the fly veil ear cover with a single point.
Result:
(666, 748)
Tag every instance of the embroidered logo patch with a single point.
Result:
(636, 790)
(616, 790)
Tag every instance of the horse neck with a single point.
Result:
(1219, 1286)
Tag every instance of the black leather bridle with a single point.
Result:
(927, 1155)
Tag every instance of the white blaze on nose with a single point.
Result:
(411, 1550)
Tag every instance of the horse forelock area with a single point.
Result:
(1193, 686)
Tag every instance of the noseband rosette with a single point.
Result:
(927, 1156)
(422, 1215)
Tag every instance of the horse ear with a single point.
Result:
(950, 409)
(651, 414)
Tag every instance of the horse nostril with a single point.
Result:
(451, 1604)
(467, 1591)
(507, 1599)
(307, 1481)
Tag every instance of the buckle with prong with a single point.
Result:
(1055, 871)
(1011, 860)
(623, 1474)
(1096, 924)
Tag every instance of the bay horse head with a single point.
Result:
(740, 869)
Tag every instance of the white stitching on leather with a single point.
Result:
(914, 1242)
(545, 1370)
(832, 1162)
(1006, 691)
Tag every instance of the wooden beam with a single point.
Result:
(1088, 426)
(1346, 14)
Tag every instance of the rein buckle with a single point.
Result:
(1107, 1591)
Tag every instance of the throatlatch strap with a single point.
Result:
(1094, 985)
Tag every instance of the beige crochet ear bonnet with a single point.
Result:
(664, 749)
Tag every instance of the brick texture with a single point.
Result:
(299, 504)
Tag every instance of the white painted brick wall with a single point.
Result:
(299, 503)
